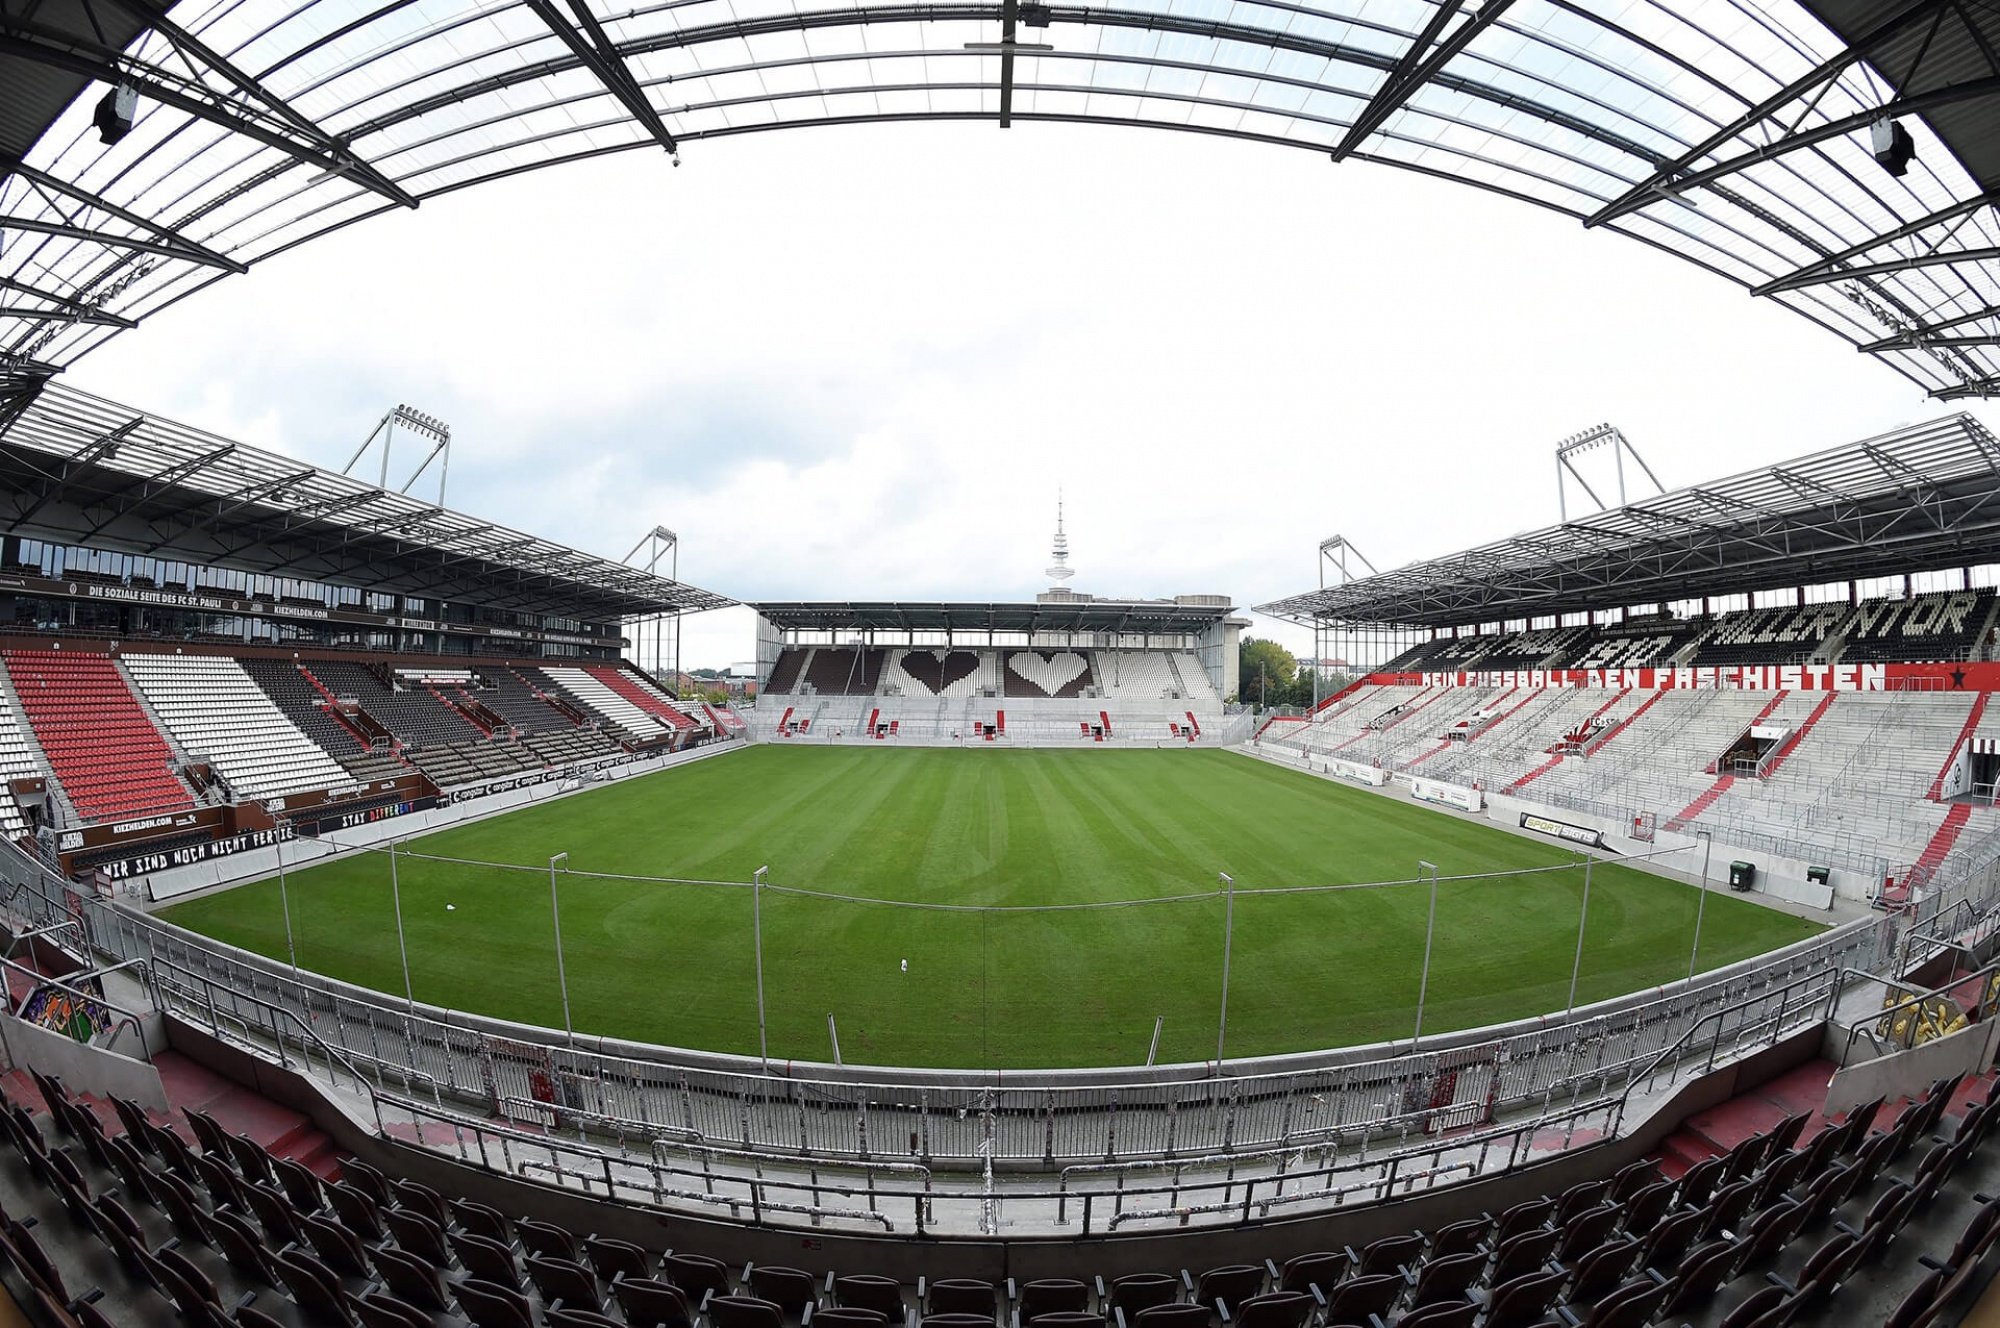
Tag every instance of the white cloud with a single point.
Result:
(859, 363)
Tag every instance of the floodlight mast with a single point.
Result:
(427, 428)
(1333, 553)
(659, 542)
(1590, 440)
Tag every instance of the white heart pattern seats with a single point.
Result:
(1051, 673)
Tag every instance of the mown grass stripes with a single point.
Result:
(673, 963)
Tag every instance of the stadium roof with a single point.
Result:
(1923, 497)
(1735, 133)
(1080, 616)
(79, 469)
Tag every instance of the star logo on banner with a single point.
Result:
(1958, 677)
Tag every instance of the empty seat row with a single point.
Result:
(615, 709)
(99, 742)
(416, 716)
(217, 713)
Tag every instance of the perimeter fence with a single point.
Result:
(633, 1096)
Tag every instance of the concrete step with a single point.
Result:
(1715, 1131)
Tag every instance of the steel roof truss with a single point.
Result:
(587, 41)
(1821, 269)
(194, 98)
(65, 230)
(178, 244)
(148, 486)
(80, 310)
(1658, 183)
(74, 466)
(1406, 78)
(193, 51)
(1980, 388)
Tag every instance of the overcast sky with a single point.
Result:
(859, 363)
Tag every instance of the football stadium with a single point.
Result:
(398, 937)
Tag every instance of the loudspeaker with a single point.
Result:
(1892, 146)
(115, 112)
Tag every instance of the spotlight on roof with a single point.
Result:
(115, 112)
(1892, 146)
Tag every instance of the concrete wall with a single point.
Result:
(83, 1068)
(1780, 878)
(1907, 1073)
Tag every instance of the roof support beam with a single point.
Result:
(1415, 68)
(192, 47)
(1920, 340)
(1799, 280)
(1981, 388)
(1821, 267)
(587, 41)
(105, 444)
(320, 508)
(1010, 13)
(164, 248)
(198, 101)
(166, 234)
(90, 316)
(1805, 138)
(21, 382)
(78, 310)
(231, 502)
(1644, 192)
(1924, 335)
(149, 485)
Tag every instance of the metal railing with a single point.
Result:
(863, 1201)
(193, 994)
(1760, 1020)
(1047, 1120)
(1880, 1027)
(863, 1148)
(38, 980)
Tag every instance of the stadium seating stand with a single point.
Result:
(112, 763)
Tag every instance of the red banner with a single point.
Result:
(1982, 677)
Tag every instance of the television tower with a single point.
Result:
(1060, 571)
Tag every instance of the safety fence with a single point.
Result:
(1340, 1169)
(634, 1095)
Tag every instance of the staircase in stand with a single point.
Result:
(481, 718)
(1713, 1132)
(1693, 810)
(1603, 740)
(1409, 708)
(1797, 736)
(1941, 843)
(1557, 754)
(359, 723)
(1964, 735)
(190, 1086)
(562, 705)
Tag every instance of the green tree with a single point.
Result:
(1267, 673)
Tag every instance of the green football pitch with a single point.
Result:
(999, 979)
